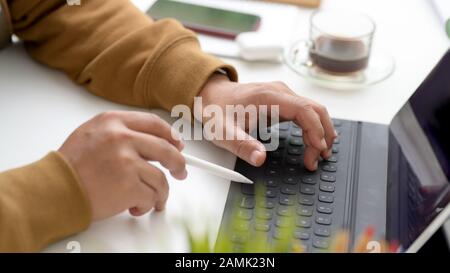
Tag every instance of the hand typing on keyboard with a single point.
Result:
(311, 117)
(301, 208)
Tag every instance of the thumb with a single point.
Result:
(245, 147)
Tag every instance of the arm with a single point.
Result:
(115, 50)
(40, 203)
(152, 64)
(101, 170)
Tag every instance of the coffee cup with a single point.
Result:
(340, 42)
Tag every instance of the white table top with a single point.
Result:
(40, 107)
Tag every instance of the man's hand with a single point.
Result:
(313, 118)
(110, 153)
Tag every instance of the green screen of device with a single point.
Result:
(200, 16)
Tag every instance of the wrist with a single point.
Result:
(216, 83)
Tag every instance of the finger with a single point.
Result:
(327, 123)
(153, 125)
(311, 154)
(144, 200)
(136, 212)
(245, 147)
(325, 154)
(301, 111)
(306, 139)
(153, 148)
(325, 119)
(155, 179)
(311, 158)
(311, 125)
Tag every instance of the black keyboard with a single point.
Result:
(315, 200)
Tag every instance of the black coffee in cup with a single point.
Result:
(338, 55)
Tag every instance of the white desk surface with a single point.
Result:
(40, 107)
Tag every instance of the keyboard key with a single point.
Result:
(324, 208)
(326, 198)
(307, 189)
(300, 247)
(291, 169)
(293, 160)
(276, 154)
(274, 163)
(262, 226)
(289, 189)
(284, 211)
(296, 141)
(295, 151)
(271, 171)
(304, 223)
(242, 225)
(245, 214)
(283, 126)
(326, 187)
(335, 150)
(329, 168)
(272, 182)
(264, 214)
(301, 234)
(247, 202)
(239, 238)
(297, 132)
(309, 180)
(306, 200)
(332, 159)
(322, 231)
(305, 211)
(266, 203)
(282, 135)
(270, 193)
(336, 140)
(327, 177)
(283, 222)
(287, 200)
(321, 243)
(248, 189)
(294, 125)
(280, 234)
(323, 220)
(290, 180)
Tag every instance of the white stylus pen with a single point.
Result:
(216, 169)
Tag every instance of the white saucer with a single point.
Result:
(380, 67)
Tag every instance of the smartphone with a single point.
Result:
(206, 20)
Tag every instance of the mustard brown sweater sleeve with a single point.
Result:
(117, 53)
(40, 203)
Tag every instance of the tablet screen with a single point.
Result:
(419, 158)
